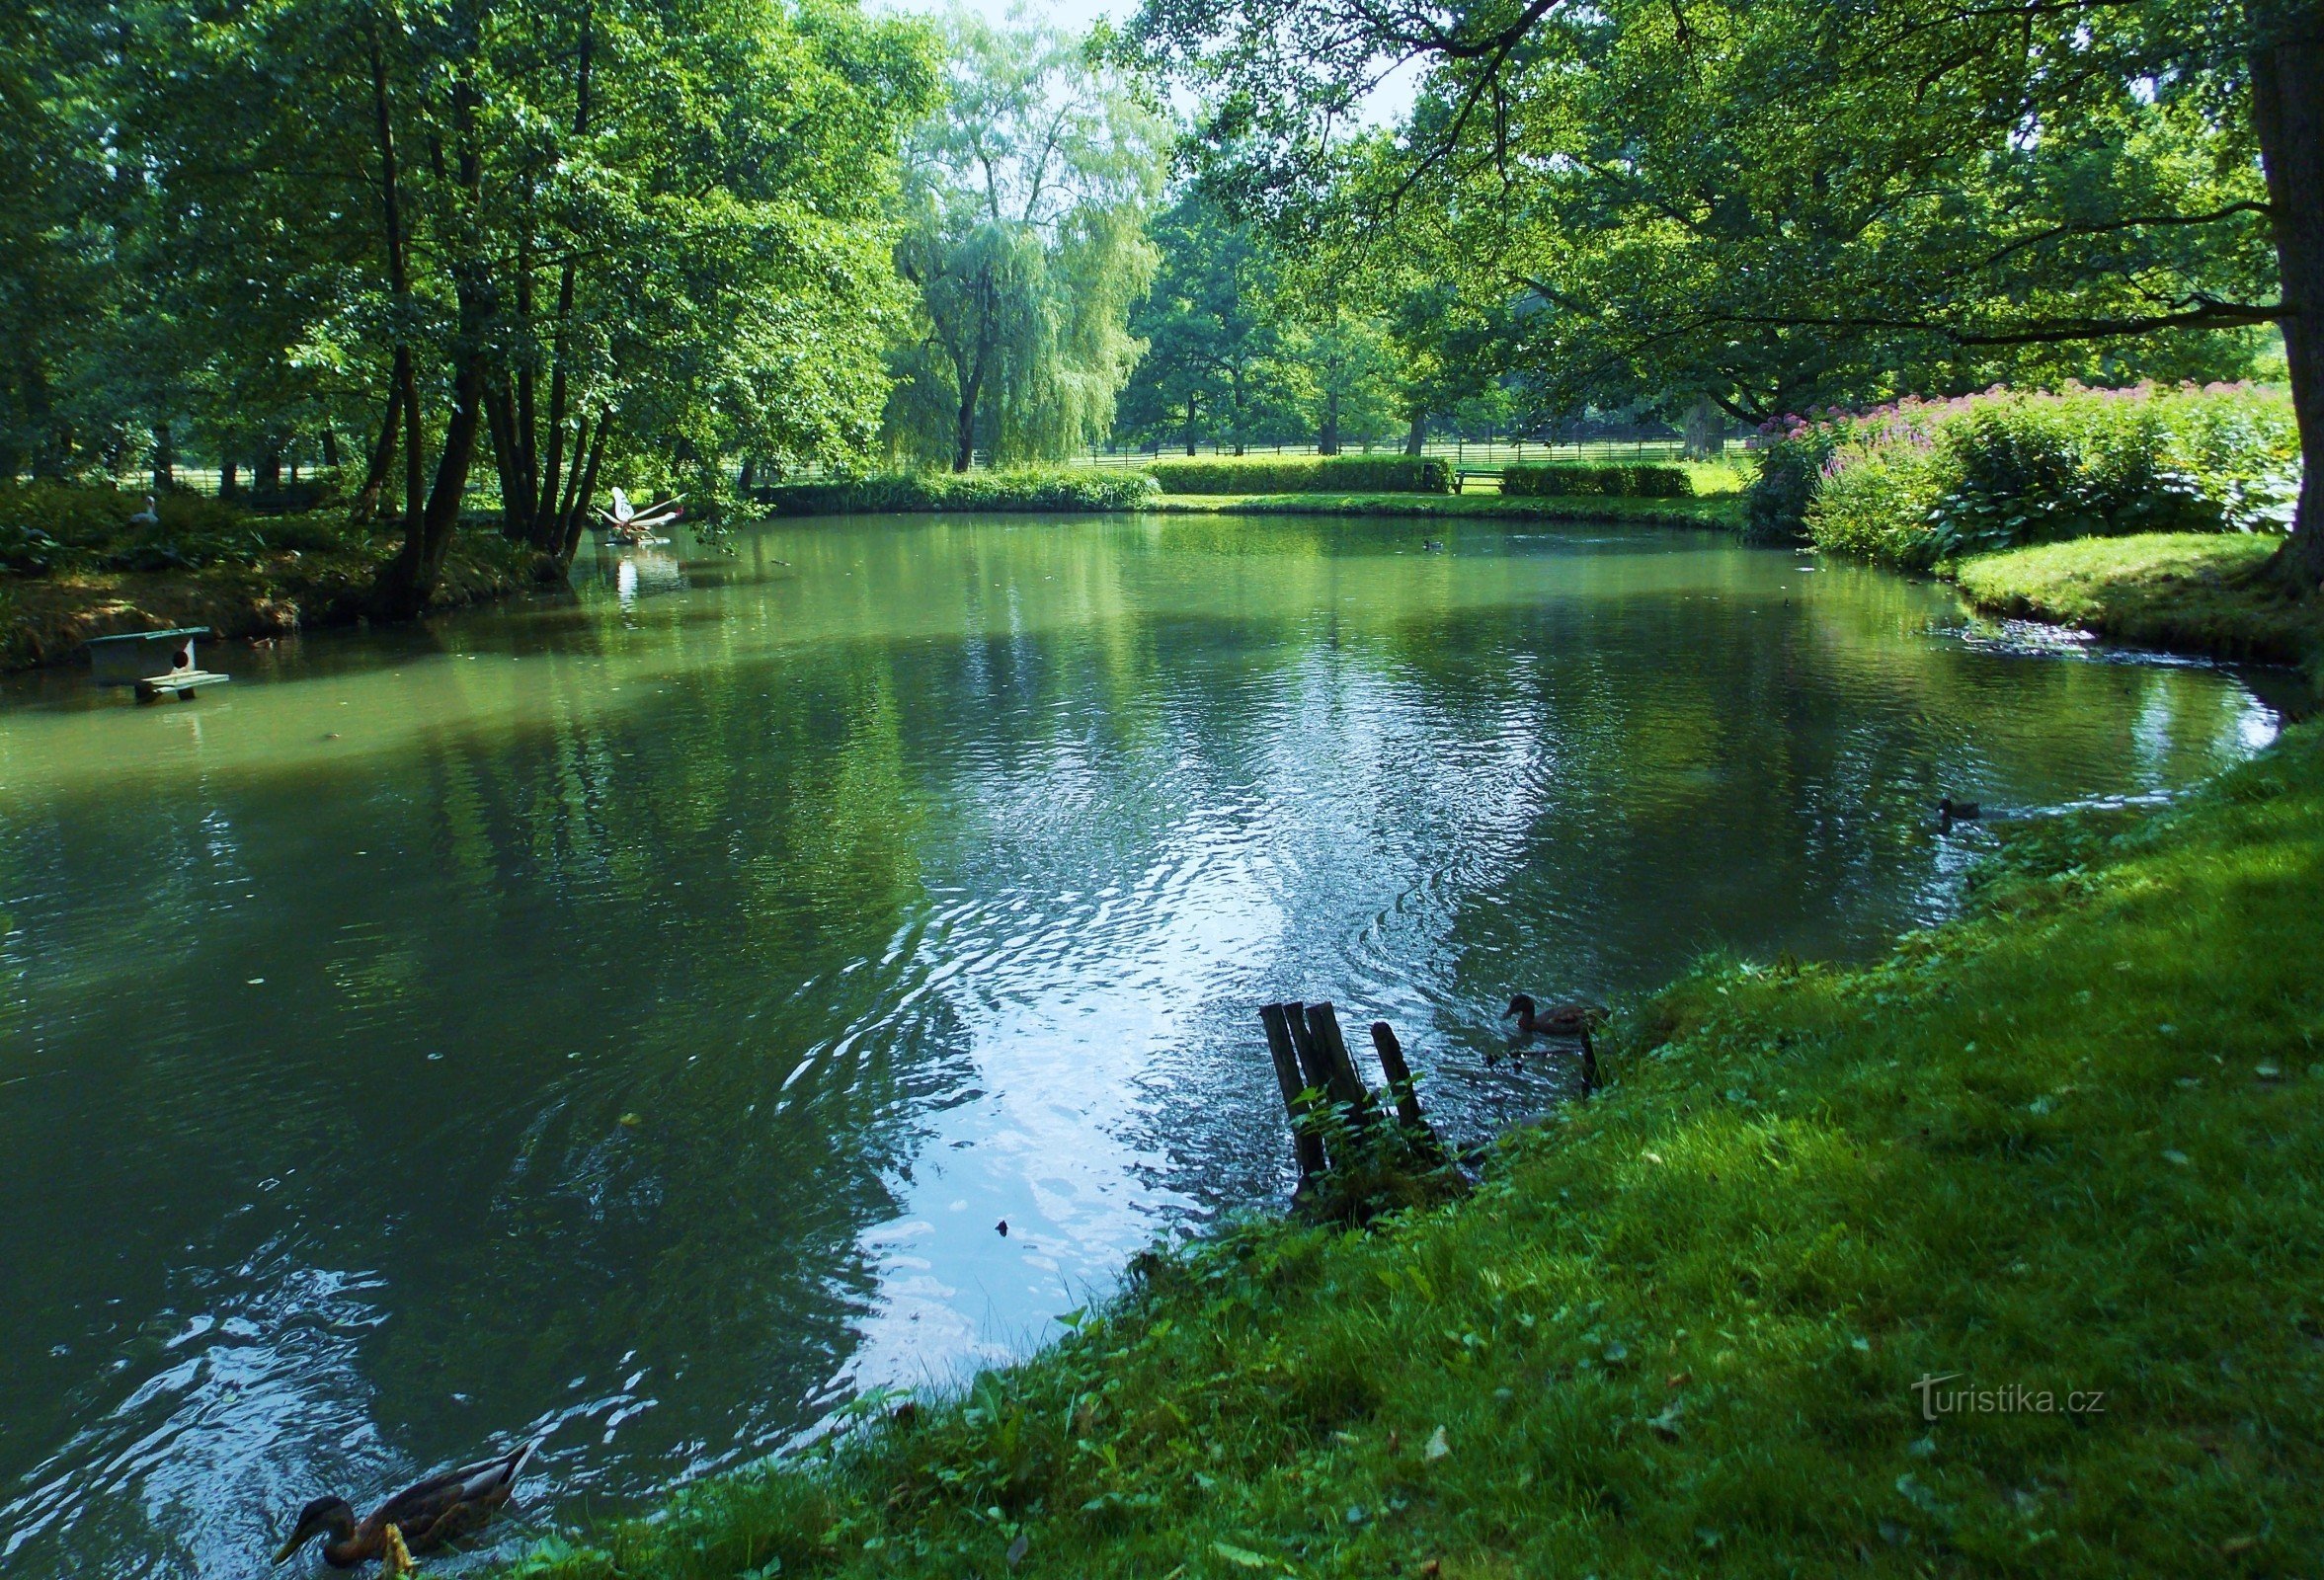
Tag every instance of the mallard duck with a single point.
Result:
(424, 1517)
(1572, 1020)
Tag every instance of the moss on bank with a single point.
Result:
(1722, 512)
(45, 619)
(2063, 1150)
(2185, 592)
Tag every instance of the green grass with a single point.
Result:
(1724, 513)
(2068, 1143)
(2189, 592)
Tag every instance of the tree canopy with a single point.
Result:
(1024, 240)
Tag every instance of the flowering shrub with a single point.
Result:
(1920, 482)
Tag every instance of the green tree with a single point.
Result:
(554, 237)
(1217, 364)
(1024, 240)
(1770, 205)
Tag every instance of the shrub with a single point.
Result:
(47, 527)
(1569, 480)
(1922, 482)
(1071, 488)
(1308, 474)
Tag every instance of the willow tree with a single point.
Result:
(1025, 241)
(1773, 203)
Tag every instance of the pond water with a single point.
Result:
(624, 1020)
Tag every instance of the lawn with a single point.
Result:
(2196, 593)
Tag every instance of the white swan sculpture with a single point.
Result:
(626, 523)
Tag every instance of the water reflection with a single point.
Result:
(890, 879)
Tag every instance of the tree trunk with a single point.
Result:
(266, 476)
(585, 487)
(1190, 410)
(748, 478)
(2287, 111)
(329, 439)
(230, 482)
(1419, 435)
(1704, 430)
(964, 443)
(165, 460)
(366, 499)
(406, 581)
(1327, 439)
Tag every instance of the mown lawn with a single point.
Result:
(2066, 1149)
(2191, 592)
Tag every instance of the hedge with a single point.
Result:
(1918, 483)
(1567, 480)
(1075, 488)
(1308, 474)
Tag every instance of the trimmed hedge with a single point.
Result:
(1569, 480)
(1308, 474)
(1077, 488)
(1919, 483)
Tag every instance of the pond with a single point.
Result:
(626, 1020)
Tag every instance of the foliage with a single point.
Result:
(586, 239)
(1771, 206)
(1058, 488)
(1350, 474)
(1920, 482)
(1025, 242)
(2186, 592)
(2066, 1144)
(1632, 482)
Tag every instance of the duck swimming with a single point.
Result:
(424, 1517)
(1568, 1020)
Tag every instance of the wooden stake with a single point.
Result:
(1313, 1063)
(1347, 1085)
(1308, 1147)
(1399, 1073)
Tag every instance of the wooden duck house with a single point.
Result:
(156, 662)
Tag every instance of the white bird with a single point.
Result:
(146, 517)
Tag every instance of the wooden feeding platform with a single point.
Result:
(1316, 1072)
(157, 663)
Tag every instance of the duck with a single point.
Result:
(419, 1519)
(1568, 1020)
(1951, 811)
(1430, 545)
(147, 517)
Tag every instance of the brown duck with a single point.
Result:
(1573, 1020)
(436, 1511)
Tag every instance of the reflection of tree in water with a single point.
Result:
(725, 1223)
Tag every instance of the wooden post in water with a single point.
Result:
(1399, 1073)
(1401, 1088)
(1347, 1085)
(1307, 1146)
(1313, 1063)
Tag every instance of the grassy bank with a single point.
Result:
(2186, 591)
(1722, 512)
(2064, 1149)
(45, 619)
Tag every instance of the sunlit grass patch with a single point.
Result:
(2192, 592)
(1737, 1314)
